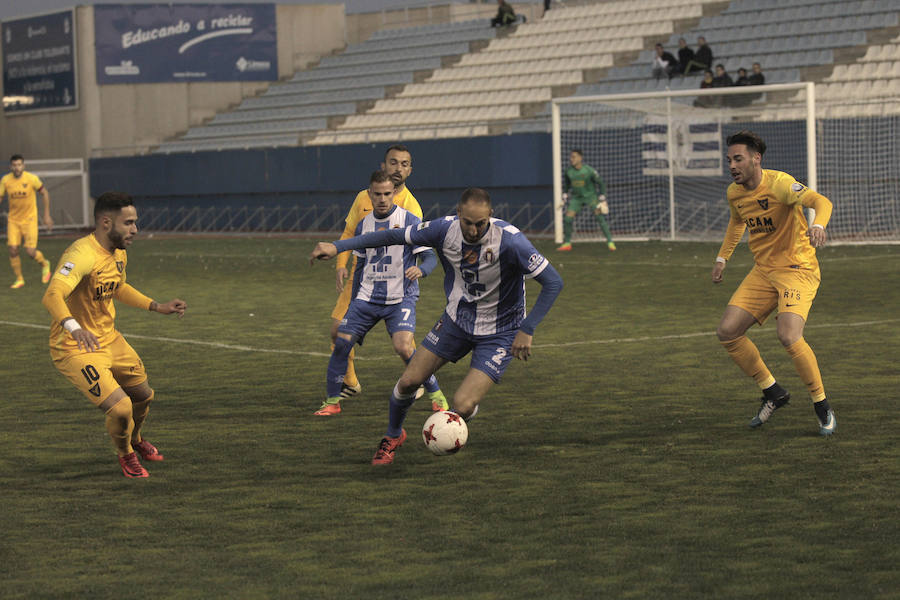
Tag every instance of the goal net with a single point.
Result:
(67, 183)
(662, 154)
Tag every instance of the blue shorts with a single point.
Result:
(490, 353)
(362, 316)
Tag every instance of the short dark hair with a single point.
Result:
(720, 65)
(16, 157)
(112, 202)
(398, 148)
(576, 151)
(379, 176)
(749, 139)
(474, 194)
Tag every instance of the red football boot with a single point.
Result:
(385, 453)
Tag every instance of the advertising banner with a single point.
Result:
(39, 63)
(156, 43)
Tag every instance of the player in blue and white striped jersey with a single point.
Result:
(385, 287)
(486, 262)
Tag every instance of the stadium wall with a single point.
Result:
(516, 169)
(131, 118)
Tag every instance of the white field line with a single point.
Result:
(649, 338)
(708, 264)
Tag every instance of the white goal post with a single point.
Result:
(661, 154)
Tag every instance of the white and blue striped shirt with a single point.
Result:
(484, 282)
(380, 272)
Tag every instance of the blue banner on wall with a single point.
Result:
(154, 43)
(39, 63)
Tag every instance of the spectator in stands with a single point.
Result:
(505, 15)
(663, 63)
(685, 55)
(744, 99)
(722, 78)
(757, 78)
(703, 57)
(706, 101)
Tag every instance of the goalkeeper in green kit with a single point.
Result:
(583, 187)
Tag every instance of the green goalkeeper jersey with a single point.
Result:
(584, 184)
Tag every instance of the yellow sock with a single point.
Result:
(119, 425)
(808, 367)
(350, 376)
(746, 355)
(39, 257)
(16, 262)
(140, 410)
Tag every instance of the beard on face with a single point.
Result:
(117, 239)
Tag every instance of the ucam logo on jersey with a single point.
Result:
(66, 268)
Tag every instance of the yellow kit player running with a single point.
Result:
(21, 187)
(785, 274)
(84, 344)
(398, 165)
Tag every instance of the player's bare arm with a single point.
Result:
(172, 306)
(323, 251)
(521, 346)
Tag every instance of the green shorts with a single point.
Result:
(576, 203)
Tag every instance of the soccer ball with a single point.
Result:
(445, 432)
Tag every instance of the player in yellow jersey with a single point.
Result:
(785, 274)
(21, 187)
(84, 344)
(398, 165)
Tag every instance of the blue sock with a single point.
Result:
(397, 410)
(337, 366)
(431, 384)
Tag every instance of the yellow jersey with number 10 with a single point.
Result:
(92, 275)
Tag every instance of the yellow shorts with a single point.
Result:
(764, 289)
(98, 374)
(343, 301)
(17, 231)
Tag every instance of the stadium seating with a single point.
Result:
(515, 75)
(465, 78)
(337, 88)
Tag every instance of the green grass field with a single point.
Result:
(617, 463)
